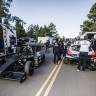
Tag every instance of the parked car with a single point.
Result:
(22, 64)
(18, 66)
(73, 54)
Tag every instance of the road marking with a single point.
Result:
(47, 80)
(53, 80)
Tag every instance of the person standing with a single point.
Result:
(47, 45)
(56, 51)
(83, 55)
(65, 50)
(93, 43)
(61, 48)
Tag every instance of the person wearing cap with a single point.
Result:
(83, 54)
(56, 51)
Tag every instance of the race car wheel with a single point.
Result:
(29, 68)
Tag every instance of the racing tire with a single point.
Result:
(29, 68)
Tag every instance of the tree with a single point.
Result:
(42, 32)
(4, 10)
(92, 13)
(35, 30)
(90, 24)
(87, 26)
(94, 27)
(20, 29)
(30, 31)
(52, 28)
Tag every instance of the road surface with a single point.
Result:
(53, 80)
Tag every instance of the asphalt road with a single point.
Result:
(53, 80)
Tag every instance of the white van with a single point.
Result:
(89, 34)
(29, 40)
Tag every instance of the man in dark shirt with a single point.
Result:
(47, 45)
(56, 51)
(61, 48)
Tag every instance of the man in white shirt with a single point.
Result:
(83, 55)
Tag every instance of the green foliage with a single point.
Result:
(4, 10)
(52, 29)
(90, 25)
(87, 26)
(5, 17)
(92, 13)
(35, 30)
(94, 27)
(20, 30)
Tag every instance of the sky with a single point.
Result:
(67, 15)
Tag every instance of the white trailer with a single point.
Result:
(44, 39)
(8, 39)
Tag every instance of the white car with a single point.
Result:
(73, 54)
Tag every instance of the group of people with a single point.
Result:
(85, 44)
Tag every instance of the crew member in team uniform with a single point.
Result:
(56, 51)
(83, 55)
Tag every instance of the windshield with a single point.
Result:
(75, 47)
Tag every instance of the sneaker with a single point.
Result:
(78, 70)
